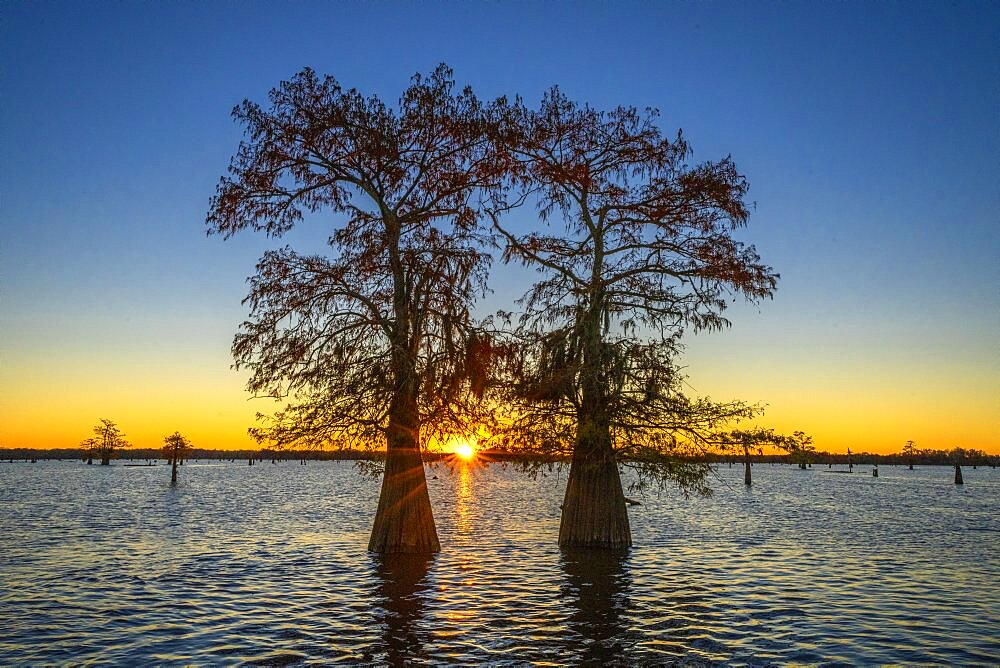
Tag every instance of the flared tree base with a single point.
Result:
(404, 523)
(594, 514)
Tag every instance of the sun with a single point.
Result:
(463, 447)
(464, 450)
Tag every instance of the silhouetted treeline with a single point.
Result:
(194, 453)
(926, 457)
(143, 454)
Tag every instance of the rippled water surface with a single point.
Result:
(268, 564)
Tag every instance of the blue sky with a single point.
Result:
(869, 132)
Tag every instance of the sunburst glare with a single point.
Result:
(464, 448)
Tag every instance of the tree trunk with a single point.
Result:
(747, 477)
(105, 460)
(958, 475)
(173, 473)
(404, 522)
(594, 514)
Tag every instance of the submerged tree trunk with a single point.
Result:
(404, 522)
(105, 460)
(173, 473)
(747, 477)
(958, 475)
(594, 513)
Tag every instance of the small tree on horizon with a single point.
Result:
(909, 452)
(799, 448)
(647, 250)
(375, 343)
(175, 447)
(958, 457)
(106, 442)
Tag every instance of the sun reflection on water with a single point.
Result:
(463, 501)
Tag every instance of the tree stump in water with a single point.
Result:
(958, 475)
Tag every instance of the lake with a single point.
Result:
(268, 565)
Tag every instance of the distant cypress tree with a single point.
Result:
(106, 442)
(175, 448)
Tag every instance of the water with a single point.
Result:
(267, 564)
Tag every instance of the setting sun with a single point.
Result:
(462, 447)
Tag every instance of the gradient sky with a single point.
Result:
(870, 134)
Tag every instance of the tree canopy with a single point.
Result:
(332, 332)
